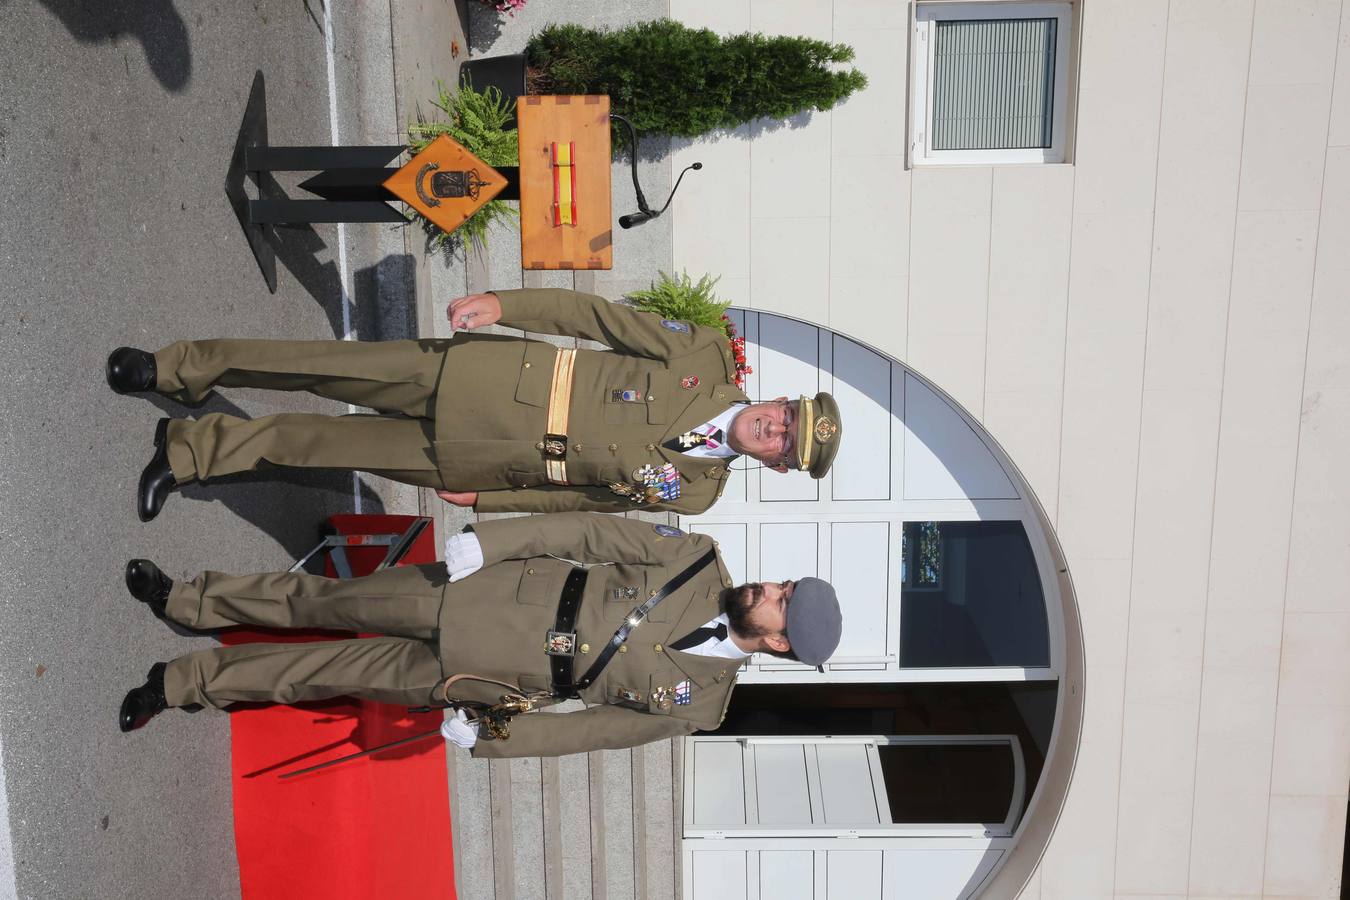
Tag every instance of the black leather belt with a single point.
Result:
(562, 640)
(561, 664)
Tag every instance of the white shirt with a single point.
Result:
(726, 647)
(723, 422)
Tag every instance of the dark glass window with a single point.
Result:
(947, 782)
(970, 596)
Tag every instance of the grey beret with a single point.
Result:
(814, 622)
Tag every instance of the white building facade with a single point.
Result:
(1145, 319)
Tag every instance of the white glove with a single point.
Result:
(463, 555)
(460, 731)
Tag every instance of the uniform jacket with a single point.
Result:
(494, 624)
(492, 404)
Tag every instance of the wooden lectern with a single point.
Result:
(566, 220)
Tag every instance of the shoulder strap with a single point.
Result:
(636, 617)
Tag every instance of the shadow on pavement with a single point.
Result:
(155, 23)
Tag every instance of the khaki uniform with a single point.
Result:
(491, 624)
(472, 413)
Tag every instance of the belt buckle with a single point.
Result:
(555, 446)
(561, 643)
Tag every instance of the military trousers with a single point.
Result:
(397, 378)
(402, 603)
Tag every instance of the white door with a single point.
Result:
(807, 817)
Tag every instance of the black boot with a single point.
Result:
(148, 584)
(143, 703)
(157, 479)
(130, 370)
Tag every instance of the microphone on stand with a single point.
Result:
(646, 213)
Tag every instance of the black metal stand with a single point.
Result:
(350, 181)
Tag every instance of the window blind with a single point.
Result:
(993, 84)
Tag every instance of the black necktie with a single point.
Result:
(696, 637)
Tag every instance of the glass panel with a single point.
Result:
(947, 783)
(970, 596)
(993, 84)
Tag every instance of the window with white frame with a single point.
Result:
(990, 82)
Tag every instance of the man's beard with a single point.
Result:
(737, 603)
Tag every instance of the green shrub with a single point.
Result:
(689, 301)
(671, 79)
(684, 299)
(478, 121)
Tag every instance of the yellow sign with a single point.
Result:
(446, 183)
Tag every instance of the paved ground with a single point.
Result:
(116, 124)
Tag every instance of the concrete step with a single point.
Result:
(600, 825)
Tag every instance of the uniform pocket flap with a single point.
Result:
(658, 399)
(536, 373)
(541, 582)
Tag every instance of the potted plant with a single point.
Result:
(668, 78)
(687, 300)
(482, 121)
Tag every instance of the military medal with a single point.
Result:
(628, 395)
(652, 484)
(692, 439)
(689, 382)
(683, 694)
(625, 593)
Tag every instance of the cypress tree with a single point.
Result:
(668, 78)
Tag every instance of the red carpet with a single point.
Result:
(370, 828)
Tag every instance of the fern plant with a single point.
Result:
(478, 121)
(687, 300)
(684, 299)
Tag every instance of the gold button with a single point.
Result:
(720, 395)
(728, 581)
(652, 594)
(576, 447)
(665, 704)
(585, 648)
(650, 398)
(527, 365)
(651, 446)
(529, 571)
(658, 648)
(539, 446)
(613, 446)
(623, 648)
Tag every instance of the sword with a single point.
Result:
(359, 754)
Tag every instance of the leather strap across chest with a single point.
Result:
(562, 666)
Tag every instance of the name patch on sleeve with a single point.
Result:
(672, 325)
(668, 531)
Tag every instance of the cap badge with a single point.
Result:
(825, 429)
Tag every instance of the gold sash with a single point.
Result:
(559, 404)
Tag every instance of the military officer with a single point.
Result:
(505, 614)
(500, 423)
